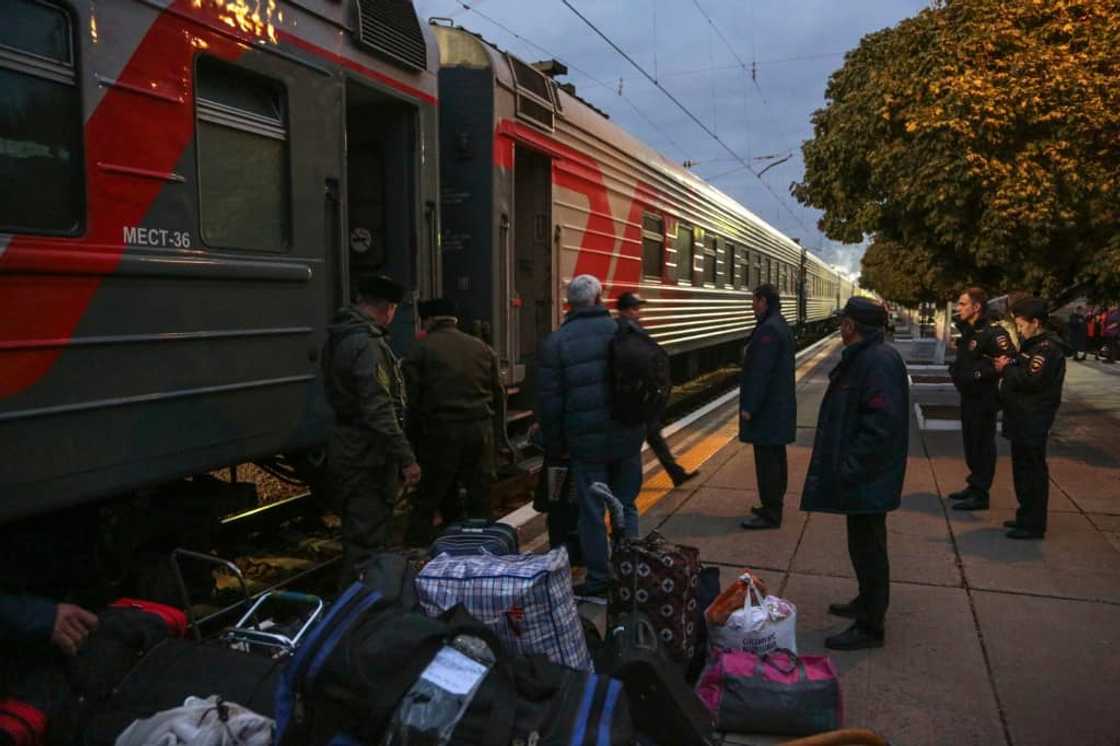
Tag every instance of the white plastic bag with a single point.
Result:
(757, 628)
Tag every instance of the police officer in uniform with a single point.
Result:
(456, 409)
(368, 454)
(1031, 391)
(974, 374)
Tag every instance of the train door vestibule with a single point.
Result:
(381, 229)
(531, 302)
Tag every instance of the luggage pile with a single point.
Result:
(481, 645)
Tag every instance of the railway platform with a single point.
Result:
(989, 640)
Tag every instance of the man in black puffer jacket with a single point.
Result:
(859, 462)
(768, 405)
(574, 410)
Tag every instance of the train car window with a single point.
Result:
(653, 246)
(756, 270)
(534, 94)
(684, 253)
(710, 260)
(244, 190)
(733, 264)
(40, 121)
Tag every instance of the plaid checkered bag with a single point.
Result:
(658, 578)
(525, 599)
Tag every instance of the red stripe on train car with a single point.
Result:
(125, 129)
(581, 173)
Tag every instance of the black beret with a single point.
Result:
(1033, 309)
(865, 311)
(630, 300)
(436, 307)
(379, 287)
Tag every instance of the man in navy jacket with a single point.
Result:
(768, 405)
(859, 462)
(574, 410)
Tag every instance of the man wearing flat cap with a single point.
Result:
(455, 410)
(1031, 392)
(630, 315)
(368, 454)
(859, 462)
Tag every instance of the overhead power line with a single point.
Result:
(657, 128)
(742, 162)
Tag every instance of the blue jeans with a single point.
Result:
(624, 477)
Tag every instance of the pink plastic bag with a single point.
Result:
(777, 693)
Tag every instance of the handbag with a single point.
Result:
(778, 693)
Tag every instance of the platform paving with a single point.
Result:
(989, 640)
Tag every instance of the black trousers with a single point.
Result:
(452, 455)
(867, 547)
(978, 431)
(772, 472)
(1032, 484)
(660, 448)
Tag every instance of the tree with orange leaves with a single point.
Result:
(977, 143)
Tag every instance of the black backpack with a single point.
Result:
(639, 376)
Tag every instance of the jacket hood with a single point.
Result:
(591, 311)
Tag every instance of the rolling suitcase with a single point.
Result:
(476, 536)
(664, 707)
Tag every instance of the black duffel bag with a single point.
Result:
(352, 673)
(176, 669)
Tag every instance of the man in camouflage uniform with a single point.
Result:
(1031, 391)
(974, 374)
(368, 453)
(456, 409)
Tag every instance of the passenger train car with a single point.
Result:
(188, 186)
(538, 186)
(185, 183)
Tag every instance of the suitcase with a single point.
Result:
(476, 536)
(659, 578)
(664, 707)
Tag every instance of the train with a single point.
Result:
(189, 186)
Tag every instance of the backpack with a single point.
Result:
(639, 376)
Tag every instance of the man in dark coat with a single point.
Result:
(630, 314)
(367, 453)
(1032, 392)
(1078, 333)
(974, 374)
(859, 462)
(768, 405)
(574, 410)
(455, 408)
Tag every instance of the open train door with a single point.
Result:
(530, 265)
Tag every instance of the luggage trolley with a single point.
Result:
(255, 631)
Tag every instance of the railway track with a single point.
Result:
(699, 415)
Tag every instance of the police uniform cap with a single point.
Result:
(379, 287)
(1033, 309)
(436, 307)
(630, 300)
(865, 311)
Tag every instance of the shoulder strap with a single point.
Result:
(309, 659)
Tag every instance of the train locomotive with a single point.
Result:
(188, 186)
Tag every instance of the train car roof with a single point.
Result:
(462, 47)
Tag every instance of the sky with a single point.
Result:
(752, 71)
